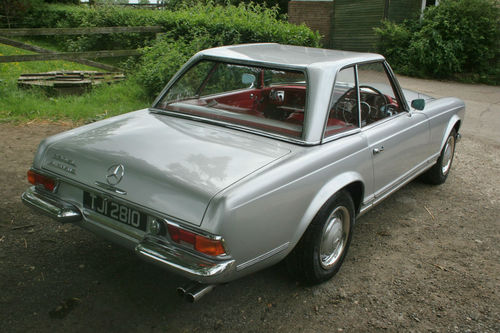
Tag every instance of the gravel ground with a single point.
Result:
(426, 259)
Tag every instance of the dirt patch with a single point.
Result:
(424, 260)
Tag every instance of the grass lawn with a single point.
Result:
(21, 105)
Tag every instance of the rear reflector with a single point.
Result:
(200, 243)
(38, 179)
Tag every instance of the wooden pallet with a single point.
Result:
(68, 82)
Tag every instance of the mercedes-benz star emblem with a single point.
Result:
(115, 174)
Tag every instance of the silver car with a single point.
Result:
(251, 154)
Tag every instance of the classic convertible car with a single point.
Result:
(250, 155)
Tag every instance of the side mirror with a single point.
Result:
(247, 78)
(418, 104)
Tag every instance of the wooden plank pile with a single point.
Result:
(68, 82)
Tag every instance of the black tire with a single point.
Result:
(311, 261)
(438, 173)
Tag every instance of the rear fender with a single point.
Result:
(326, 192)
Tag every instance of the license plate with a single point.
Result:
(114, 210)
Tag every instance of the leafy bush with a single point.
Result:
(162, 60)
(456, 38)
(13, 11)
(251, 23)
(189, 30)
(281, 4)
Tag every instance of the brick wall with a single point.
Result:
(317, 15)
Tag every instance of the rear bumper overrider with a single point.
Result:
(150, 248)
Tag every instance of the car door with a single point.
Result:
(398, 139)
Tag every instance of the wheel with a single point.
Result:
(323, 247)
(439, 172)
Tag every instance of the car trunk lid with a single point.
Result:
(171, 165)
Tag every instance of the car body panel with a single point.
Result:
(238, 211)
(255, 192)
(402, 142)
(184, 163)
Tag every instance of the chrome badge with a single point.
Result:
(62, 162)
(115, 174)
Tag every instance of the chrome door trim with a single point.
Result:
(397, 184)
(262, 257)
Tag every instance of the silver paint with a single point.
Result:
(255, 192)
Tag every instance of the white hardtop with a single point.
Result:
(288, 55)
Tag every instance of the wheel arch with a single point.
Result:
(454, 124)
(352, 182)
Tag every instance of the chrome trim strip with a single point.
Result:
(396, 86)
(182, 262)
(57, 209)
(111, 188)
(195, 231)
(118, 228)
(412, 173)
(400, 182)
(262, 257)
(341, 135)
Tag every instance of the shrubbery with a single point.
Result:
(162, 60)
(250, 23)
(189, 30)
(175, 4)
(12, 11)
(457, 39)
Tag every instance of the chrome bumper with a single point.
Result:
(191, 266)
(151, 249)
(57, 209)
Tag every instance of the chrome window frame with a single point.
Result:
(396, 89)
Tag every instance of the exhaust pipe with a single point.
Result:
(194, 292)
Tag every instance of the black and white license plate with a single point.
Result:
(114, 210)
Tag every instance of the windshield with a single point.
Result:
(262, 98)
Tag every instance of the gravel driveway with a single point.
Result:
(426, 259)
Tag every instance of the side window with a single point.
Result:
(377, 97)
(343, 113)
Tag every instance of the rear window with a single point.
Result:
(271, 100)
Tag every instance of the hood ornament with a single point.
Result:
(115, 174)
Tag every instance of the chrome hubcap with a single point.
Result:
(334, 237)
(448, 155)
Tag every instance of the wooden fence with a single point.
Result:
(80, 57)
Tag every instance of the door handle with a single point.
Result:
(378, 150)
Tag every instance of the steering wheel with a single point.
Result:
(372, 107)
(346, 107)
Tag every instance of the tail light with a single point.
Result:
(37, 179)
(200, 243)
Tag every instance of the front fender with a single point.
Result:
(451, 124)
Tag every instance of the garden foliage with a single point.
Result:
(245, 23)
(188, 30)
(457, 39)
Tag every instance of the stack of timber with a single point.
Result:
(68, 82)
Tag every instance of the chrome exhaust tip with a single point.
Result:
(194, 292)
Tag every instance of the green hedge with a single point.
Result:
(188, 31)
(458, 39)
(249, 23)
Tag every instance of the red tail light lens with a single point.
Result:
(200, 243)
(38, 179)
